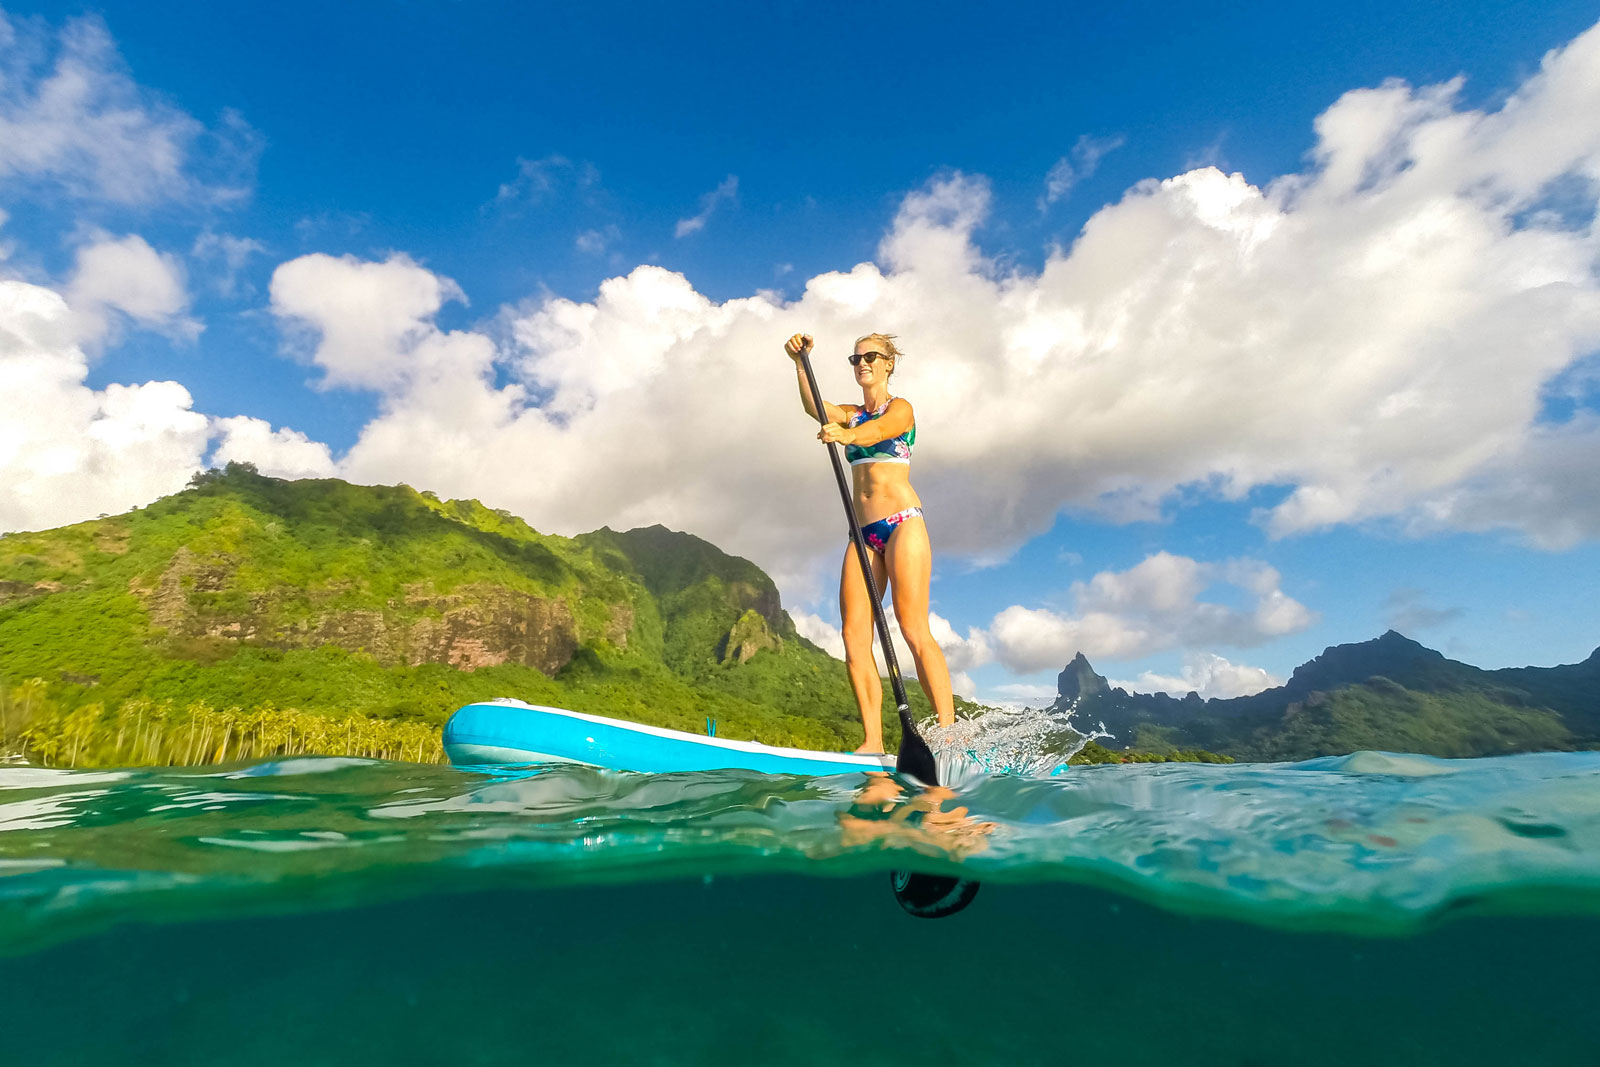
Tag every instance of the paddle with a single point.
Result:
(928, 896)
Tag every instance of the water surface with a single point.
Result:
(1378, 907)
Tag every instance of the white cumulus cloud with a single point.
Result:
(69, 452)
(819, 631)
(1153, 606)
(372, 322)
(961, 653)
(127, 275)
(281, 453)
(1207, 674)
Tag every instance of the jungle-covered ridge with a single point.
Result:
(1390, 693)
(249, 616)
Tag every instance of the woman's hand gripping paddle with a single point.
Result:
(927, 896)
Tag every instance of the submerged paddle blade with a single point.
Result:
(931, 896)
(927, 896)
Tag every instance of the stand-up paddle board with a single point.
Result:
(510, 732)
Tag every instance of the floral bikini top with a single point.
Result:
(889, 450)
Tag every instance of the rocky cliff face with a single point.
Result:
(23, 590)
(1078, 681)
(467, 628)
(748, 636)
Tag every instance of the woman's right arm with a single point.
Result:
(794, 346)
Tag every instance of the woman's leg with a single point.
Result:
(856, 609)
(910, 560)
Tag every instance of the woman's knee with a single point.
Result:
(857, 641)
(919, 639)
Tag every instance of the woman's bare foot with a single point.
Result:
(871, 749)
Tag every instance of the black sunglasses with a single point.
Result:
(870, 357)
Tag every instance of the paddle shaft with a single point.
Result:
(909, 738)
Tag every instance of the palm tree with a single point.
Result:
(30, 691)
(77, 728)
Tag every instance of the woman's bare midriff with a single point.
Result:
(881, 489)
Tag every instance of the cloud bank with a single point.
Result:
(1370, 339)
(1206, 674)
(1153, 607)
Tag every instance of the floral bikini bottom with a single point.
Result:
(877, 533)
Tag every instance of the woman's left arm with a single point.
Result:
(892, 423)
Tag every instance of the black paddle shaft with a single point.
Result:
(914, 757)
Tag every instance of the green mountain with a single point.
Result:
(345, 601)
(1388, 693)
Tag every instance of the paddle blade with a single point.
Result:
(914, 758)
(931, 896)
(927, 896)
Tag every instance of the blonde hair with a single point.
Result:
(887, 341)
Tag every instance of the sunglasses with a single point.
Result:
(869, 357)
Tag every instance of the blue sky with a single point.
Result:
(364, 205)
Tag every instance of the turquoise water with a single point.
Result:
(1375, 907)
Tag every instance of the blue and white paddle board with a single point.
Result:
(510, 732)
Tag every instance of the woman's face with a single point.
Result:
(877, 370)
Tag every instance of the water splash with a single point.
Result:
(1032, 742)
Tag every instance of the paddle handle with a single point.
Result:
(914, 757)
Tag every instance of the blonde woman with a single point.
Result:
(877, 436)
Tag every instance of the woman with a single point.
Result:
(877, 436)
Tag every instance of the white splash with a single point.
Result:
(1033, 742)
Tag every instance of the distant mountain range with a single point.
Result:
(244, 597)
(1388, 693)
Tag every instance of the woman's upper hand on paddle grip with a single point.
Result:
(798, 344)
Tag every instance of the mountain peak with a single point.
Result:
(672, 564)
(1393, 655)
(1079, 680)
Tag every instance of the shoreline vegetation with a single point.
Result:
(147, 733)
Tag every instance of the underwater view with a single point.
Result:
(1372, 907)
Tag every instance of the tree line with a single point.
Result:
(145, 732)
